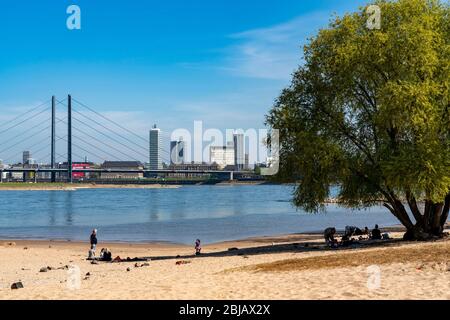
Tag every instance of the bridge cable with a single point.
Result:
(26, 112)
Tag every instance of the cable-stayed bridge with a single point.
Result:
(69, 131)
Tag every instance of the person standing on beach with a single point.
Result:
(198, 247)
(93, 241)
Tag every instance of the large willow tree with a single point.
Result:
(369, 111)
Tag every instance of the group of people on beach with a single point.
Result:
(94, 241)
(329, 235)
(349, 232)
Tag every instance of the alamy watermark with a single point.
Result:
(373, 277)
(73, 278)
(238, 147)
(73, 21)
(374, 20)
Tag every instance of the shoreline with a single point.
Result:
(397, 228)
(46, 186)
(81, 186)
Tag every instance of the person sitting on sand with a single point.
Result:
(329, 236)
(351, 230)
(198, 248)
(358, 232)
(93, 242)
(376, 233)
(105, 255)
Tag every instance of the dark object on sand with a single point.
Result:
(182, 262)
(346, 241)
(17, 285)
(45, 269)
(135, 259)
(66, 267)
(128, 269)
(137, 265)
(233, 249)
(119, 259)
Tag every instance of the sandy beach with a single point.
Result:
(283, 267)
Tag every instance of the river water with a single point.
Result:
(211, 213)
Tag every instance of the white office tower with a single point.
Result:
(177, 151)
(239, 155)
(155, 149)
(222, 156)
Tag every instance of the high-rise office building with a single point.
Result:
(26, 158)
(239, 156)
(155, 149)
(177, 151)
(222, 156)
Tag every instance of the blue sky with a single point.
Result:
(164, 62)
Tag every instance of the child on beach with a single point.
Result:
(198, 248)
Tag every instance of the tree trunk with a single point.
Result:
(445, 211)
(431, 224)
(428, 225)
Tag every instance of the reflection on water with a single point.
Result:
(69, 208)
(211, 213)
(52, 209)
(153, 205)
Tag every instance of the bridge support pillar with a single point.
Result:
(231, 176)
(69, 139)
(35, 177)
(53, 135)
(1, 176)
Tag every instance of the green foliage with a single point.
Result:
(369, 109)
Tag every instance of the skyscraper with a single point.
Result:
(26, 157)
(177, 151)
(222, 156)
(239, 157)
(155, 149)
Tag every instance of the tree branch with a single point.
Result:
(414, 208)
